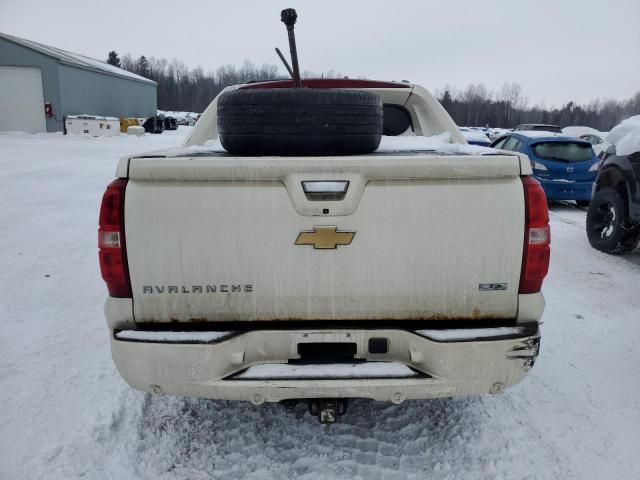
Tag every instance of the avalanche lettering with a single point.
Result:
(221, 288)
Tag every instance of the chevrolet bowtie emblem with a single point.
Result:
(324, 237)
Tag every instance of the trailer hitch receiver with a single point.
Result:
(328, 409)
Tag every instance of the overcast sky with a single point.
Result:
(558, 50)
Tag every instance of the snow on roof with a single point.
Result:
(576, 131)
(538, 133)
(75, 59)
(626, 136)
(84, 116)
(538, 125)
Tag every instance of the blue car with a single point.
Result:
(565, 166)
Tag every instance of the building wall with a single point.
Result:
(93, 93)
(19, 56)
(72, 90)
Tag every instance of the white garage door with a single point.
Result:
(21, 100)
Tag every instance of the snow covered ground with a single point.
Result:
(65, 413)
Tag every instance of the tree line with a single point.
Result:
(181, 88)
(507, 107)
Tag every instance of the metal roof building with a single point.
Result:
(33, 75)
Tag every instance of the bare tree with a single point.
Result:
(476, 105)
(185, 89)
(511, 97)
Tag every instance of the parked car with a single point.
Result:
(278, 274)
(475, 136)
(598, 141)
(613, 218)
(565, 166)
(578, 130)
(594, 138)
(538, 127)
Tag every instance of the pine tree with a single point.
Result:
(113, 59)
(447, 101)
(143, 67)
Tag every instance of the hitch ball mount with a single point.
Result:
(328, 409)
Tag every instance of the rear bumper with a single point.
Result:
(446, 368)
(567, 190)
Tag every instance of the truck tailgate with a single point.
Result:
(213, 238)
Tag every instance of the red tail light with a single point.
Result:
(537, 237)
(111, 242)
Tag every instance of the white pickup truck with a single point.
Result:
(408, 273)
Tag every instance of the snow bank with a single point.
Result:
(626, 136)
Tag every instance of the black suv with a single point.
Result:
(613, 218)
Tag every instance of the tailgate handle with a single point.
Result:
(325, 189)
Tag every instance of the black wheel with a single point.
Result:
(583, 203)
(299, 121)
(608, 228)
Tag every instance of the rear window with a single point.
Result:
(563, 151)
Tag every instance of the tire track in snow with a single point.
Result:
(172, 438)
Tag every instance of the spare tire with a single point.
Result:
(299, 121)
